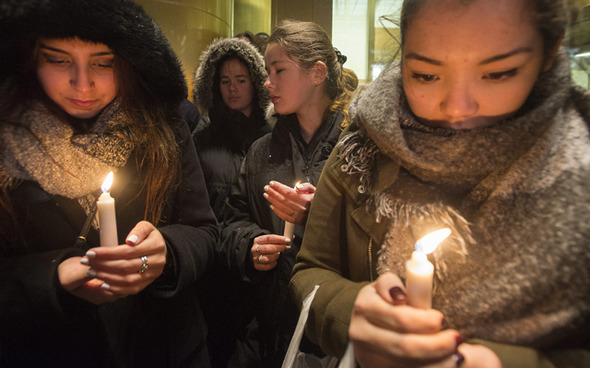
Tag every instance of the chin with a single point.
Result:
(467, 124)
(83, 115)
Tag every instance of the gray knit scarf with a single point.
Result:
(516, 268)
(45, 149)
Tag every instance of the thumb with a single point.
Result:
(305, 188)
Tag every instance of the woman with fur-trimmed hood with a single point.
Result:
(229, 86)
(90, 87)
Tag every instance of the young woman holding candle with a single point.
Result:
(92, 86)
(478, 129)
(306, 86)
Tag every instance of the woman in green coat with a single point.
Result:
(478, 129)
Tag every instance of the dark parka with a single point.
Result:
(223, 136)
(41, 324)
(282, 156)
(222, 139)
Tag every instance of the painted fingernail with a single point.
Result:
(105, 286)
(265, 195)
(458, 340)
(91, 273)
(266, 187)
(91, 254)
(84, 261)
(287, 240)
(271, 183)
(272, 207)
(459, 359)
(397, 294)
(132, 238)
(299, 186)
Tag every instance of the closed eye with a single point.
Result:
(51, 59)
(501, 75)
(426, 78)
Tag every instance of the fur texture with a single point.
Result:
(120, 24)
(210, 62)
(515, 195)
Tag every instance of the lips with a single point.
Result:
(273, 98)
(82, 103)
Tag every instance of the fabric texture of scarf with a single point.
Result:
(514, 194)
(45, 149)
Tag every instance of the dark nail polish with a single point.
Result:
(397, 294)
(458, 340)
(459, 359)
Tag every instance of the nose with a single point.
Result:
(233, 86)
(267, 83)
(81, 78)
(459, 102)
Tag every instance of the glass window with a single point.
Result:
(362, 30)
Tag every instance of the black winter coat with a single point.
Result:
(44, 326)
(282, 156)
(222, 142)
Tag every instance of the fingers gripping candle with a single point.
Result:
(107, 221)
(419, 271)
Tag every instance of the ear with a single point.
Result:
(552, 54)
(320, 71)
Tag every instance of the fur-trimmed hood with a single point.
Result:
(120, 24)
(210, 61)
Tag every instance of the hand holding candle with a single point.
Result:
(107, 220)
(419, 271)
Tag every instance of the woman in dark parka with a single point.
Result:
(229, 87)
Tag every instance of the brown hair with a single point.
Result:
(149, 128)
(307, 43)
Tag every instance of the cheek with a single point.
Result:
(422, 101)
(504, 100)
(48, 79)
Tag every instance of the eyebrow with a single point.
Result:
(101, 53)
(519, 50)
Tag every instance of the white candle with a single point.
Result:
(289, 226)
(419, 271)
(107, 220)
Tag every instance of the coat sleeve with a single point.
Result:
(323, 260)
(192, 233)
(238, 229)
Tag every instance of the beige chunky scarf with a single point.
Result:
(516, 269)
(45, 149)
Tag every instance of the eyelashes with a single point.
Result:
(58, 61)
(496, 76)
(502, 75)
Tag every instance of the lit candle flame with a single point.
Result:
(428, 243)
(106, 185)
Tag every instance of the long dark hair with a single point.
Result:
(149, 129)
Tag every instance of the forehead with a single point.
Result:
(275, 54)
(233, 66)
(74, 46)
(480, 26)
